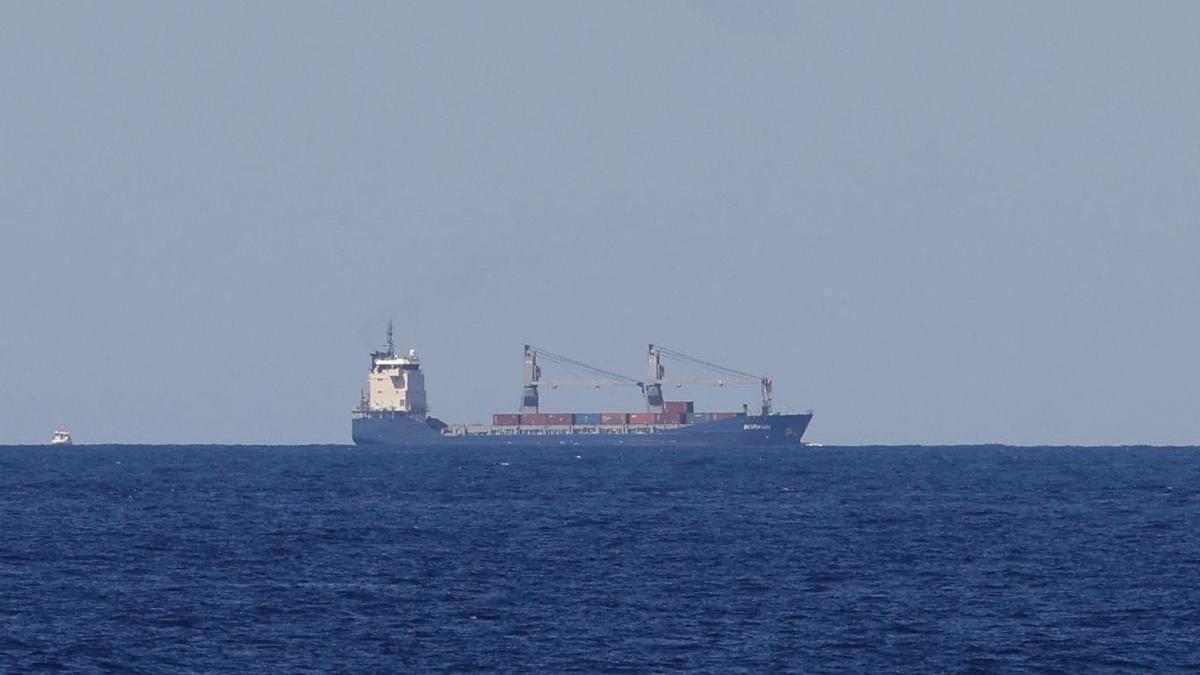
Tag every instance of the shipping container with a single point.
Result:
(558, 418)
(613, 418)
(505, 420)
(669, 418)
(587, 418)
(679, 406)
(535, 419)
(699, 418)
(642, 418)
(717, 416)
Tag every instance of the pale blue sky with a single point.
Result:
(931, 222)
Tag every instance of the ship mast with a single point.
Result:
(391, 346)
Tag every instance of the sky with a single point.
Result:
(930, 222)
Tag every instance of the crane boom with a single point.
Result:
(567, 361)
(654, 388)
(530, 399)
(708, 365)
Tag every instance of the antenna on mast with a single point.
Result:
(391, 346)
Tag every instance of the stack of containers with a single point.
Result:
(642, 418)
(558, 418)
(587, 418)
(679, 406)
(535, 419)
(613, 418)
(505, 420)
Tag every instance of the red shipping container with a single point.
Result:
(669, 418)
(559, 418)
(679, 406)
(505, 420)
(642, 418)
(613, 418)
(535, 419)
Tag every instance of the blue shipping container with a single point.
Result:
(587, 418)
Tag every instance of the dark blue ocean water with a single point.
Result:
(333, 559)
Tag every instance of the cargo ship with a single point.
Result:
(393, 410)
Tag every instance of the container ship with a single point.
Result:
(393, 410)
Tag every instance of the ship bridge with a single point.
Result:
(395, 383)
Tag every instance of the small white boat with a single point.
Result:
(62, 436)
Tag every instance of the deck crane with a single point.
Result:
(653, 388)
(533, 376)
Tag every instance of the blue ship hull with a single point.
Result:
(742, 431)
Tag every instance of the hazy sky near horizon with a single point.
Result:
(936, 222)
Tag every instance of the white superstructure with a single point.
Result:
(62, 436)
(396, 383)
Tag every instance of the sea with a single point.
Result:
(334, 559)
